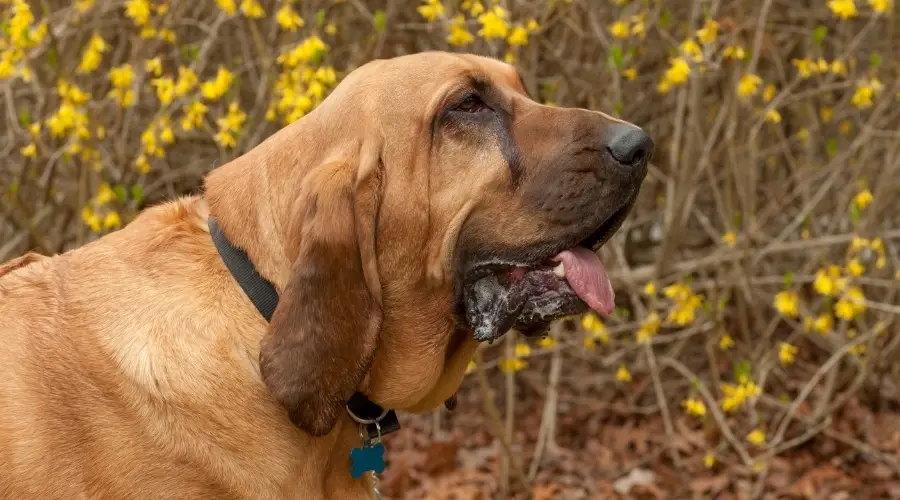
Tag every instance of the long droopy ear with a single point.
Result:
(322, 336)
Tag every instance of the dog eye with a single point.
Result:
(472, 104)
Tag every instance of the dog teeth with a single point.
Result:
(560, 270)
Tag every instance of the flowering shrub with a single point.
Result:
(760, 267)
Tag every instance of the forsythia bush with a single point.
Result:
(759, 273)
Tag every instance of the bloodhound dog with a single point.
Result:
(428, 204)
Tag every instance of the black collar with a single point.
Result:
(376, 420)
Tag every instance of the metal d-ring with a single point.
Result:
(366, 421)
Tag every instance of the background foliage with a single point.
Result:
(754, 352)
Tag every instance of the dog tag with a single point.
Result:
(365, 459)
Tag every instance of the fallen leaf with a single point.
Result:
(636, 477)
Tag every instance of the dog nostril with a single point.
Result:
(629, 145)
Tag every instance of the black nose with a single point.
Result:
(630, 146)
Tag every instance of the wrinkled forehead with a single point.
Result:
(419, 81)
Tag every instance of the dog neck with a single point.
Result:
(374, 421)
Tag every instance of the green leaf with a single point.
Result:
(665, 19)
(742, 370)
(617, 109)
(616, 57)
(121, 194)
(25, 117)
(14, 188)
(788, 279)
(875, 60)
(52, 57)
(820, 33)
(855, 214)
(737, 219)
(137, 193)
(320, 18)
(831, 148)
(379, 21)
(4, 28)
(190, 52)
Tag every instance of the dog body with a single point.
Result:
(391, 220)
(131, 372)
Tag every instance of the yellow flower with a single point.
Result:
(83, 5)
(216, 88)
(623, 375)
(518, 37)
(138, 11)
(471, 367)
(153, 66)
(757, 437)
(630, 74)
(288, 19)
(694, 407)
(592, 324)
(733, 52)
(252, 9)
(709, 31)
(91, 219)
(691, 49)
(165, 89)
(838, 67)
(749, 85)
(726, 342)
(863, 199)
(737, 395)
(29, 151)
(729, 238)
(546, 342)
(93, 55)
(105, 194)
(773, 116)
(845, 9)
(787, 353)
(121, 76)
(865, 91)
(229, 125)
(823, 324)
(431, 10)
(855, 267)
(678, 70)
(709, 461)
(768, 93)
(493, 23)
(112, 220)
(648, 328)
(229, 6)
(512, 365)
(193, 115)
(684, 312)
(532, 25)
(522, 350)
(881, 6)
(826, 114)
(619, 29)
(186, 82)
(851, 304)
(786, 302)
(828, 281)
(459, 35)
(650, 288)
(678, 292)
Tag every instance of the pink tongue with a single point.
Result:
(587, 276)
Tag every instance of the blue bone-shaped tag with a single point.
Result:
(365, 459)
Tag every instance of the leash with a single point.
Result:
(374, 421)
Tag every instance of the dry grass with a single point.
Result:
(776, 171)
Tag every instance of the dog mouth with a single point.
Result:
(567, 279)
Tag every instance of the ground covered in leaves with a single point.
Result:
(609, 446)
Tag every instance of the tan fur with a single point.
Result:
(131, 365)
